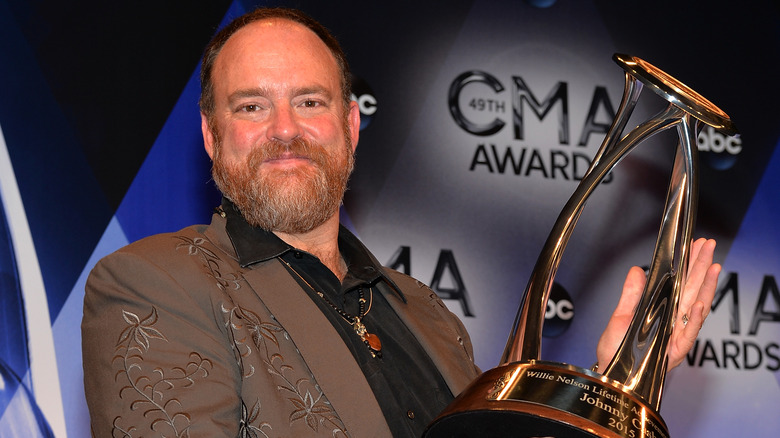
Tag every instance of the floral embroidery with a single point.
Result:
(117, 428)
(260, 331)
(139, 331)
(148, 392)
(241, 347)
(309, 410)
(315, 411)
(211, 262)
(247, 418)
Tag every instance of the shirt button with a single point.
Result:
(297, 255)
(410, 414)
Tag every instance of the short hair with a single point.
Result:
(218, 41)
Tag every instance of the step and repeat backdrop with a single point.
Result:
(479, 119)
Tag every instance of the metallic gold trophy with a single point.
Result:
(528, 397)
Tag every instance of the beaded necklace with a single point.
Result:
(371, 340)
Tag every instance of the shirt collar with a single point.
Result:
(255, 245)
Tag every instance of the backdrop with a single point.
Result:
(478, 121)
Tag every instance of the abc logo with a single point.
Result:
(559, 313)
(364, 96)
(717, 150)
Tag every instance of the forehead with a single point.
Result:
(279, 47)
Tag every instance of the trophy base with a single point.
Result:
(505, 424)
(547, 399)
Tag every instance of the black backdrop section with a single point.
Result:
(729, 52)
(116, 69)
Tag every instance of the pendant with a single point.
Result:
(371, 340)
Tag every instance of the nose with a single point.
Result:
(283, 124)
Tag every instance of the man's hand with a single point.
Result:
(695, 304)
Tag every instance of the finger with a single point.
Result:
(702, 253)
(685, 335)
(624, 311)
(632, 291)
(697, 271)
(695, 323)
(708, 289)
(694, 252)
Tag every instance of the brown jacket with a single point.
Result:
(180, 341)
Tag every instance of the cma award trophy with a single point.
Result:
(528, 397)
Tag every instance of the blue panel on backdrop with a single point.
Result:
(759, 227)
(19, 414)
(13, 334)
(173, 188)
(61, 198)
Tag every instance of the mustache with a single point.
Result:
(275, 149)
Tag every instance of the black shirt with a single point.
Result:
(405, 382)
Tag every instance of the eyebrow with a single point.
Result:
(316, 89)
(245, 93)
(265, 92)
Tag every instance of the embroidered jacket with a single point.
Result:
(179, 340)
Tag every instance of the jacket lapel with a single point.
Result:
(321, 347)
(444, 344)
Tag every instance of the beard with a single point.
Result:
(292, 200)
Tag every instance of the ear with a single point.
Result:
(354, 123)
(208, 136)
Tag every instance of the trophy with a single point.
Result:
(528, 397)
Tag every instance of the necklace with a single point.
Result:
(371, 340)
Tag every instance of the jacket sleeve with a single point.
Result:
(156, 358)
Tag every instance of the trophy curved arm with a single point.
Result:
(640, 361)
(524, 341)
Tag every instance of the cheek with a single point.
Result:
(238, 139)
(326, 130)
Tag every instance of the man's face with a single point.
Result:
(280, 138)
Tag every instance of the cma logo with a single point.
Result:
(448, 284)
(364, 96)
(445, 266)
(717, 150)
(482, 111)
(742, 352)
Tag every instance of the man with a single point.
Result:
(274, 320)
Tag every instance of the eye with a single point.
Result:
(309, 103)
(250, 108)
